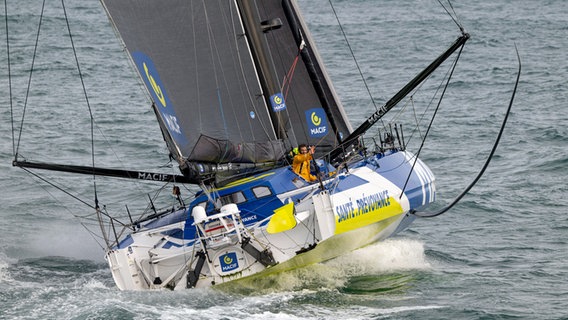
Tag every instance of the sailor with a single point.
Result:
(301, 162)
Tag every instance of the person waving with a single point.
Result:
(301, 162)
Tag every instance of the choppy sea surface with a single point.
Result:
(502, 253)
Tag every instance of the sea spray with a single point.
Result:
(4, 264)
(390, 255)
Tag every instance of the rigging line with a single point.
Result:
(452, 16)
(418, 88)
(57, 187)
(93, 235)
(109, 145)
(142, 87)
(290, 74)
(430, 103)
(79, 218)
(416, 120)
(431, 121)
(30, 79)
(241, 36)
(195, 64)
(353, 55)
(224, 79)
(68, 193)
(291, 133)
(466, 190)
(104, 230)
(86, 99)
(217, 73)
(411, 98)
(453, 10)
(9, 77)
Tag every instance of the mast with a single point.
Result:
(354, 136)
(274, 99)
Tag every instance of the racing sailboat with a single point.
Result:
(236, 85)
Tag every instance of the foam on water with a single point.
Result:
(4, 264)
(387, 256)
(383, 258)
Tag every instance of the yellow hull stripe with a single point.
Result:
(361, 217)
(245, 180)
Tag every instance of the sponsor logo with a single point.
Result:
(277, 101)
(317, 122)
(251, 218)
(229, 261)
(157, 90)
(153, 176)
(362, 206)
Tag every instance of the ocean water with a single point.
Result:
(501, 253)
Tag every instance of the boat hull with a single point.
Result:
(298, 226)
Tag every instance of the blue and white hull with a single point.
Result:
(273, 222)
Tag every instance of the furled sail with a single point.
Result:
(220, 96)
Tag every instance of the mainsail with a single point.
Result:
(231, 81)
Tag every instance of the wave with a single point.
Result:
(372, 269)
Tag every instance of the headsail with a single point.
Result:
(315, 113)
(209, 89)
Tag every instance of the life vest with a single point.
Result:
(301, 166)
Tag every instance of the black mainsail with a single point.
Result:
(235, 84)
(231, 81)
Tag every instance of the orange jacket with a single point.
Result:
(301, 166)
